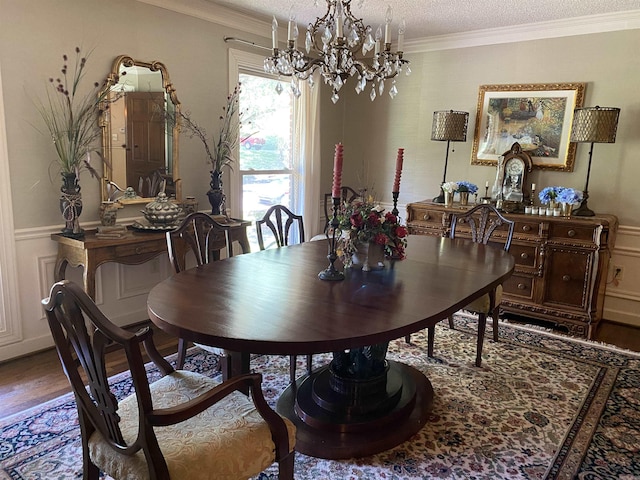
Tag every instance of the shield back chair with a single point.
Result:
(184, 425)
(348, 195)
(201, 235)
(483, 224)
(279, 220)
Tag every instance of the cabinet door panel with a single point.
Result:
(567, 276)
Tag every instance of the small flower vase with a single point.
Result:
(108, 213)
(370, 256)
(448, 199)
(552, 204)
(566, 209)
(464, 198)
(216, 194)
(71, 206)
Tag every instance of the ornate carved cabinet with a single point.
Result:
(561, 263)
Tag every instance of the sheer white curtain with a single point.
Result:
(306, 132)
(10, 330)
(306, 144)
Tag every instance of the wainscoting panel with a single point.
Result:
(622, 299)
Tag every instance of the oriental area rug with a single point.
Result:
(541, 407)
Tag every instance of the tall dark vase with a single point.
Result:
(71, 206)
(216, 194)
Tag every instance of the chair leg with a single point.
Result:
(292, 368)
(482, 325)
(309, 362)
(407, 338)
(285, 467)
(182, 353)
(431, 333)
(451, 324)
(495, 315)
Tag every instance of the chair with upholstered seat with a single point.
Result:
(201, 235)
(280, 220)
(483, 224)
(184, 425)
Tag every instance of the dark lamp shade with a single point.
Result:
(450, 125)
(595, 125)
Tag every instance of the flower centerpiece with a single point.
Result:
(71, 118)
(450, 187)
(220, 149)
(366, 223)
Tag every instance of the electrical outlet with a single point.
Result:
(618, 272)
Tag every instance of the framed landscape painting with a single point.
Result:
(537, 116)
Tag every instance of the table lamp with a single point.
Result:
(593, 125)
(450, 126)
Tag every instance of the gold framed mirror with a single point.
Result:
(140, 151)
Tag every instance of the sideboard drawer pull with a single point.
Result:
(526, 228)
(522, 286)
(426, 216)
(139, 250)
(566, 278)
(524, 255)
(571, 233)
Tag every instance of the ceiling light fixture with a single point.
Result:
(333, 45)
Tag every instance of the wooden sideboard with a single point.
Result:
(134, 248)
(561, 263)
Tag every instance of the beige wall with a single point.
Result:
(608, 62)
(35, 34)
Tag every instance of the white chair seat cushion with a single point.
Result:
(230, 440)
(215, 350)
(483, 304)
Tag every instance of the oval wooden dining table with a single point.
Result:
(272, 302)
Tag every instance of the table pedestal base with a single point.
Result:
(327, 429)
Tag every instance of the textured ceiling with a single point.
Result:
(427, 18)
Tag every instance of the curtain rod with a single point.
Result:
(247, 42)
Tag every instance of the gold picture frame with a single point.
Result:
(537, 116)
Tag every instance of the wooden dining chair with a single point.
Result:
(483, 224)
(204, 238)
(184, 425)
(279, 220)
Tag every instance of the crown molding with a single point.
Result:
(628, 20)
(210, 12)
(590, 24)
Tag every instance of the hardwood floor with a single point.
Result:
(28, 381)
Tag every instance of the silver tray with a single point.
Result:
(146, 226)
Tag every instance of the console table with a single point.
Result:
(561, 263)
(135, 248)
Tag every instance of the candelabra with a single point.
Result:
(395, 203)
(330, 273)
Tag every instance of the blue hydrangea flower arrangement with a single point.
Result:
(549, 194)
(570, 196)
(464, 186)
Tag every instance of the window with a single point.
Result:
(278, 158)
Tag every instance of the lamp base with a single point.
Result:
(583, 210)
(439, 198)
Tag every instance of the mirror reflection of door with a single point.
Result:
(145, 141)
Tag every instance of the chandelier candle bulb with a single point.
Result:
(337, 171)
(401, 30)
(387, 26)
(274, 33)
(399, 161)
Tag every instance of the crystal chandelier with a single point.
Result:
(332, 44)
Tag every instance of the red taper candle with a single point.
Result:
(337, 172)
(399, 160)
